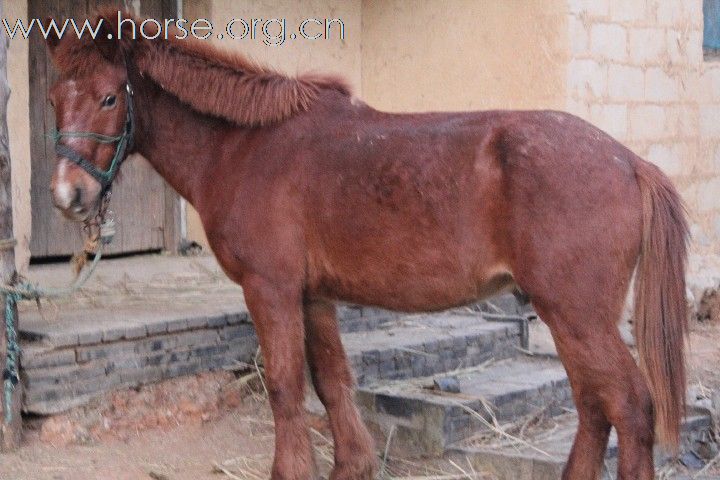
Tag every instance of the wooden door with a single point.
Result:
(145, 207)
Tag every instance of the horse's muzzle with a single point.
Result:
(74, 192)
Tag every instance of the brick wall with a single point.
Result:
(637, 71)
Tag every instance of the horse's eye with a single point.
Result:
(108, 101)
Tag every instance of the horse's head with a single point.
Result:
(93, 116)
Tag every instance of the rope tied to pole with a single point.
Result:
(10, 373)
(25, 290)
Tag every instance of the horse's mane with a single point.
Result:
(209, 79)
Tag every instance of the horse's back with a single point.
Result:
(429, 211)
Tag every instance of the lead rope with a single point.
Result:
(104, 226)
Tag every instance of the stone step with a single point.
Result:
(543, 453)
(428, 421)
(97, 325)
(84, 353)
(91, 326)
(93, 362)
(409, 346)
(357, 318)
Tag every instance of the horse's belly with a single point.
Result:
(423, 290)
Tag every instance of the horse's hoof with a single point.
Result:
(358, 469)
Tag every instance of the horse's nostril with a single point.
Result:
(77, 199)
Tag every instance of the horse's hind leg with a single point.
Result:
(276, 311)
(608, 387)
(331, 375)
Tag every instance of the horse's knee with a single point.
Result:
(634, 419)
(285, 397)
(635, 426)
(332, 379)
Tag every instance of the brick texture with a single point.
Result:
(644, 80)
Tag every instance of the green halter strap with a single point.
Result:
(124, 143)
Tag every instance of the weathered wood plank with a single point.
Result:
(170, 235)
(38, 79)
(10, 432)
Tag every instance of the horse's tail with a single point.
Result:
(660, 306)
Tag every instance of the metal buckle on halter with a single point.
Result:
(107, 228)
(102, 225)
(106, 219)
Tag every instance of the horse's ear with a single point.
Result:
(105, 41)
(52, 40)
(114, 37)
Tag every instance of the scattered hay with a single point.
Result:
(528, 431)
(383, 468)
(244, 468)
(500, 431)
(708, 466)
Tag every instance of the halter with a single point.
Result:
(124, 143)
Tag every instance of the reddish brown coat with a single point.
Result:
(309, 196)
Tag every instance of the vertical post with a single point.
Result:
(174, 211)
(10, 432)
(173, 233)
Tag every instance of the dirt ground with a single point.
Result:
(213, 426)
(704, 356)
(187, 451)
(218, 426)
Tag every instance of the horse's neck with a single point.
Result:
(179, 143)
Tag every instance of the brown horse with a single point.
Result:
(309, 196)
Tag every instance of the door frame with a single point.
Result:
(172, 220)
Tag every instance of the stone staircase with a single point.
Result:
(446, 377)
(436, 381)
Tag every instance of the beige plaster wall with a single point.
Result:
(19, 129)
(637, 71)
(464, 54)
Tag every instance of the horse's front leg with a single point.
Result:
(276, 310)
(334, 384)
